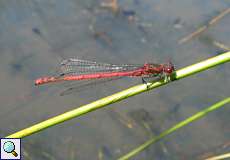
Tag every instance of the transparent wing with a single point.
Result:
(86, 84)
(78, 67)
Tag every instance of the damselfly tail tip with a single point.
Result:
(45, 80)
(38, 81)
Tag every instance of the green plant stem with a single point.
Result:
(225, 57)
(195, 68)
(219, 157)
(175, 128)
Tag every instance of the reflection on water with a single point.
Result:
(36, 35)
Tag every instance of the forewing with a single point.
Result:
(78, 67)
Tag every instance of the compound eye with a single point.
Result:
(169, 70)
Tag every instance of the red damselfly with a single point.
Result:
(78, 70)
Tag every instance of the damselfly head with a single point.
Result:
(168, 68)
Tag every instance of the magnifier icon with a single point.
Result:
(9, 147)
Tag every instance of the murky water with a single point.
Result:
(36, 35)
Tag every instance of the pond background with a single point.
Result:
(36, 35)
